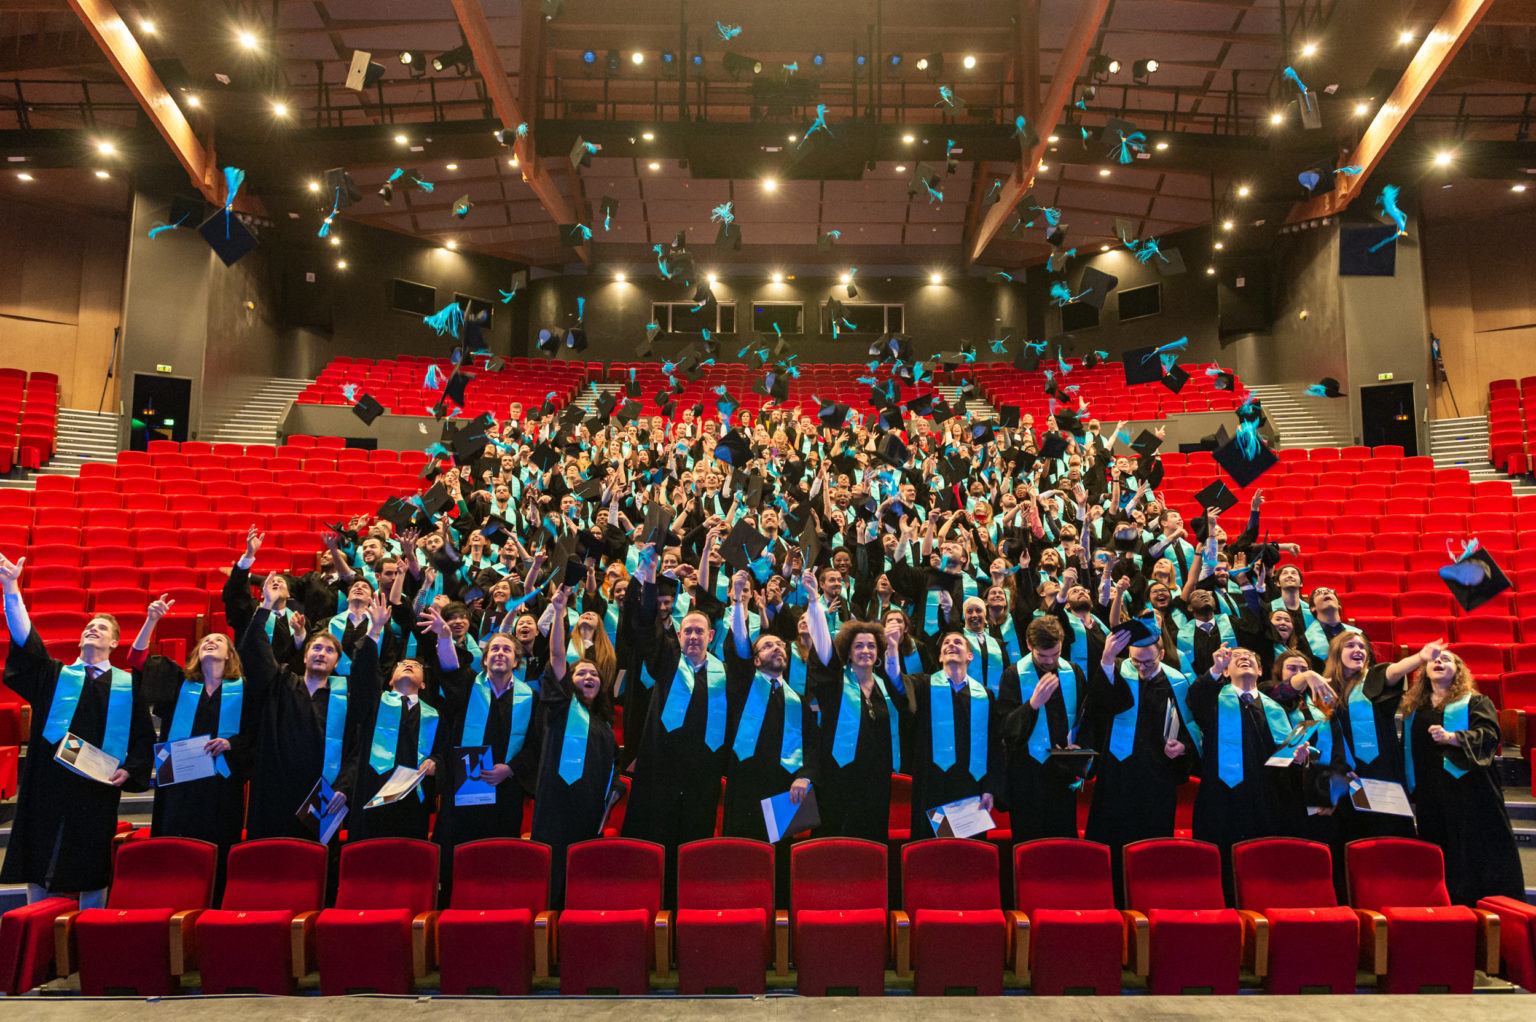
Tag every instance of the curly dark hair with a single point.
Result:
(842, 642)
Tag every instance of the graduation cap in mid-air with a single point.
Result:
(1243, 469)
(1217, 496)
(367, 408)
(228, 236)
(1474, 577)
(1095, 285)
(338, 186)
(581, 153)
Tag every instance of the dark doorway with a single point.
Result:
(160, 410)
(1386, 417)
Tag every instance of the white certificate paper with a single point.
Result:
(1386, 797)
(964, 818)
(85, 759)
(188, 760)
(400, 784)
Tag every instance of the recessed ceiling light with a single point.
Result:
(1103, 172)
(1444, 157)
(103, 174)
(1161, 146)
(1362, 108)
(653, 165)
(794, 138)
(770, 184)
(1220, 245)
(401, 140)
(335, 241)
(637, 58)
(1405, 37)
(1243, 191)
(1227, 225)
(279, 108)
(314, 185)
(649, 136)
(24, 176)
(619, 278)
(1103, 248)
(453, 166)
(909, 138)
(1043, 166)
(1210, 271)
(1053, 139)
(935, 278)
(969, 61)
(512, 162)
(1517, 188)
(105, 148)
(247, 38)
(146, 26)
(1277, 118)
(845, 279)
(776, 277)
(712, 278)
(341, 264)
(193, 101)
(901, 168)
(1309, 50)
(450, 244)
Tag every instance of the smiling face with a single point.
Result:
(502, 654)
(99, 637)
(1284, 627)
(1148, 660)
(1442, 669)
(975, 615)
(954, 651)
(865, 650)
(408, 679)
(359, 592)
(587, 681)
(693, 636)
(1354, 653)
(214, 651)
(771, 655)
(1244, 668)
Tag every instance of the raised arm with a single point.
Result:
(1400, 670)
(16, 617)
(157, 610)
(557, 633)
(816, 618)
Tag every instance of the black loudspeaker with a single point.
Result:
(1355, 256)
(307, 294)
(1243, 296)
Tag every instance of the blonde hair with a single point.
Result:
(1333, 667)
(600, 652)
(193, 670)
(1419, 693)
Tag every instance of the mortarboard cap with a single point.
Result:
(1057, 236)
(892, 451)
(632, 387)
(607, 401)
(581, 156)
(1146, 443)
(1138, 629)
(576, 338)
(1097, 284)
(1216, 496)
(729, 237)
(658, 519)
(981, 432)
(607, 209)
(743, 545)
(629, 410)
(549, 339)
(590, 489)
(733, 449)
(922, 404)
(545, 457)
(1326, 387)
(1175, 378)
(1223, 380)
(1244, 471)
(228, 236)
(454, 388)
(833, 414)
(1474, 579)
(339, 187)
(942, 410)
(436, 500)
(1150, 471)
(824, 243)
(367, 408)
(1008, 416)
(1172, 263)
(1053, 446)
(1142, 365)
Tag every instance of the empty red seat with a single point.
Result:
(245, 946)
(494, 936)
(1517, 939)
(612, 901)
(1284, 891)
(26, 943)
(386, 891)
(1068, 936)
(1195, 943)
(951, 927)
(838, 905)
(724, 932)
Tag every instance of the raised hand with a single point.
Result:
(269, 590)
(10, 574)
(431, 619)
(1431, 651)
(808, 582)
(253, 540)
(1044, 689)
(1114, 645)
(158, 609)
(1221, 659)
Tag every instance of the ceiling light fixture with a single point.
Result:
(1210, 271)
(935, 278)
(1043, 166)
(335, 241)
(1161, 147)
(776, 277)
(1277, 118)
(1103, 248)
(314, 186)
(901, 168)
(193, 101)
(24, 176)
(248, 40)
(909, 138)
(452, 166)
(1220, 245)
(341, 264)
(653, 165)
(106, 148)
(1143, 70)
(637, 58)
(146, 26)
(1362, 108)
(619, 277)
(459, 58)
(1517, 187)
(401, 140)
(512, 162)
(1103, 172)
(712, 278)
(1309, 50)
(649, 136)
(1405, 37)
(279, 108)
(1444, 157)
(1243, 191)
(103, 174)
(1227, 225)
(451, 245)
(845, 279)
(770, 184)
(922, 63)
(969, 61)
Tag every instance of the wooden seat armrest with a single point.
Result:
(1018, 944)
(64, 943)
(184, 941)
(301, 934)
(901, 942)
(1373, 941)
(663, 927)
(1138, 941)
(1488, 946)
(423, 943)
(1255, 942)
(543, 944)
(781, 942)
(1512, 725)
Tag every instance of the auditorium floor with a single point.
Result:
(1361, 1008)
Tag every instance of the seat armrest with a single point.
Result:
(1018, 944)
(423, 943)
(901, 942)
(301, 934)
(1373, 941)
(1138, 941)
(543, 943)
(781, 942)
(1512, 726)
(1255, 942)
(1488, 946)
(64, 943)
(184, 941)
(663, 929)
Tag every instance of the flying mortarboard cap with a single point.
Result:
(743, 545)
(549, 339)
(228, 236)
(1217, 496)
(339, 187)
(607, 209)
(824, 243)
(981, 432)
(942, 410)
(1020, 459)
(1328, 386)
(1317, 174)
(1125, 230)
(658, 519)
(1008, 416)
(729, 237)
(1175, 378)
(1146, 443)
(462, 206)
(1057, 236)
(632, 387)
(399, 512)
(922, 404)
(571, 235)
(810, 542)
(1172, 263)
(1150, 471)
(1142, 365)
(733, 449)
(1139, 630)
(833, 414)
(607, 401)
(1223, 380)
(187, 209)
(1098, 285)
(1053, 446)
(576, 338)
(590, 489)
(629, 410)
(367, 408)
(1475, 579)
(892, 451)
(436, 500)
(545, 457)
(1245, 471)
(454, 389)
(496, 364)
(580, 155)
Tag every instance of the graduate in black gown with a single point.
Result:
(1325, 780)
(61, 835)
(286, 622)
(305, 729)
(1452, 736)
(578, 756)
(1138, 770)
(956, 747)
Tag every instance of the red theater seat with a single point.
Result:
(725, 916)
(1068, 937)
(838, 904)
(273, 893)
(387, 890)
(494, 936)
(26, 943)
(612, 904)
(1295, 935)
(158, 888)
(1412, 937)
(1517, 939)
(1173, 887)
(951, 930)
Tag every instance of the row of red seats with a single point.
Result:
(840, 934)
(29, 414)
(1509, 431)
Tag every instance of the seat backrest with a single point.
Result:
(388, 872)
(614, 873)
(163, 872)
(275, 874)
(1065, 873)
(949, 873)
(1172, 873)
(1282, 872)
(838, 873)
(1395, 871)
(499, 873)
(725, 872)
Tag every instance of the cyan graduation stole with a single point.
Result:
(1307, 620)
(675, 711)
(338, 628)
(335, 727)
(1122, 731)
(1186, 639)
(231, 699)
(791, 755)
(930, 619)
(66, 697)
(986, 664)
(478, 711)
(1456, 719)
(794, 673)
(1170, 553)
(1362, 725)
(386, 733)
(1323, 736)
(1078, 653)
(1229, 727)
(1317, 639)
(1013, 649)
(941, 711)
(845, 740)
(473, 649)
(573, 745)
(1029, 677)
(611, 620)
(288, 616)
(912, 663)
(1180, 686)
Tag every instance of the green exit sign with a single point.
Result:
(1383, 377)
(162, 368)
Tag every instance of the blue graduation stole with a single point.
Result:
(573, 745)
(1122, 730)
(941, 711)
(66, 697)
(386, 733)
(335, 726)
(1362, 725)
(791, 755)
(1078, 653)
(1013, 649)
(478, 710)
(930, 618)
(1229, 728)
(286, 615)
(1186, 639)
(912, 663)
(1456, 719)
(675, 711)
(1169, 554)
(338, 629)
(1323, 736)
(611, 620)
(845, 740)
(1317, 639)
(794, 671)
(472, 648)
(231, 699)
(986, 664)
(1029, 677)
(1179, 683)
(1307, 620)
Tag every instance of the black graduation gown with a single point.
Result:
(1135, 798)
(564, 814)
(1041, 798)
(855, 800)
(212, 809)
(1349, 824)
(239, 607)
(931, 786)
(1465, 815)
(290, 739)
(61, 836)
(762, 774)
(410, 816)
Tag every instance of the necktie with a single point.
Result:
(1247, 699)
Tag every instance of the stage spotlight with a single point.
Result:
(458, 58)
(416, 62)
(1102, 67)
(1143, 70)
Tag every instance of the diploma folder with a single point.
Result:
(785, 819)
(79, 756)
(961, 818)
(400, 783)
(468, 788)
(311, 814)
